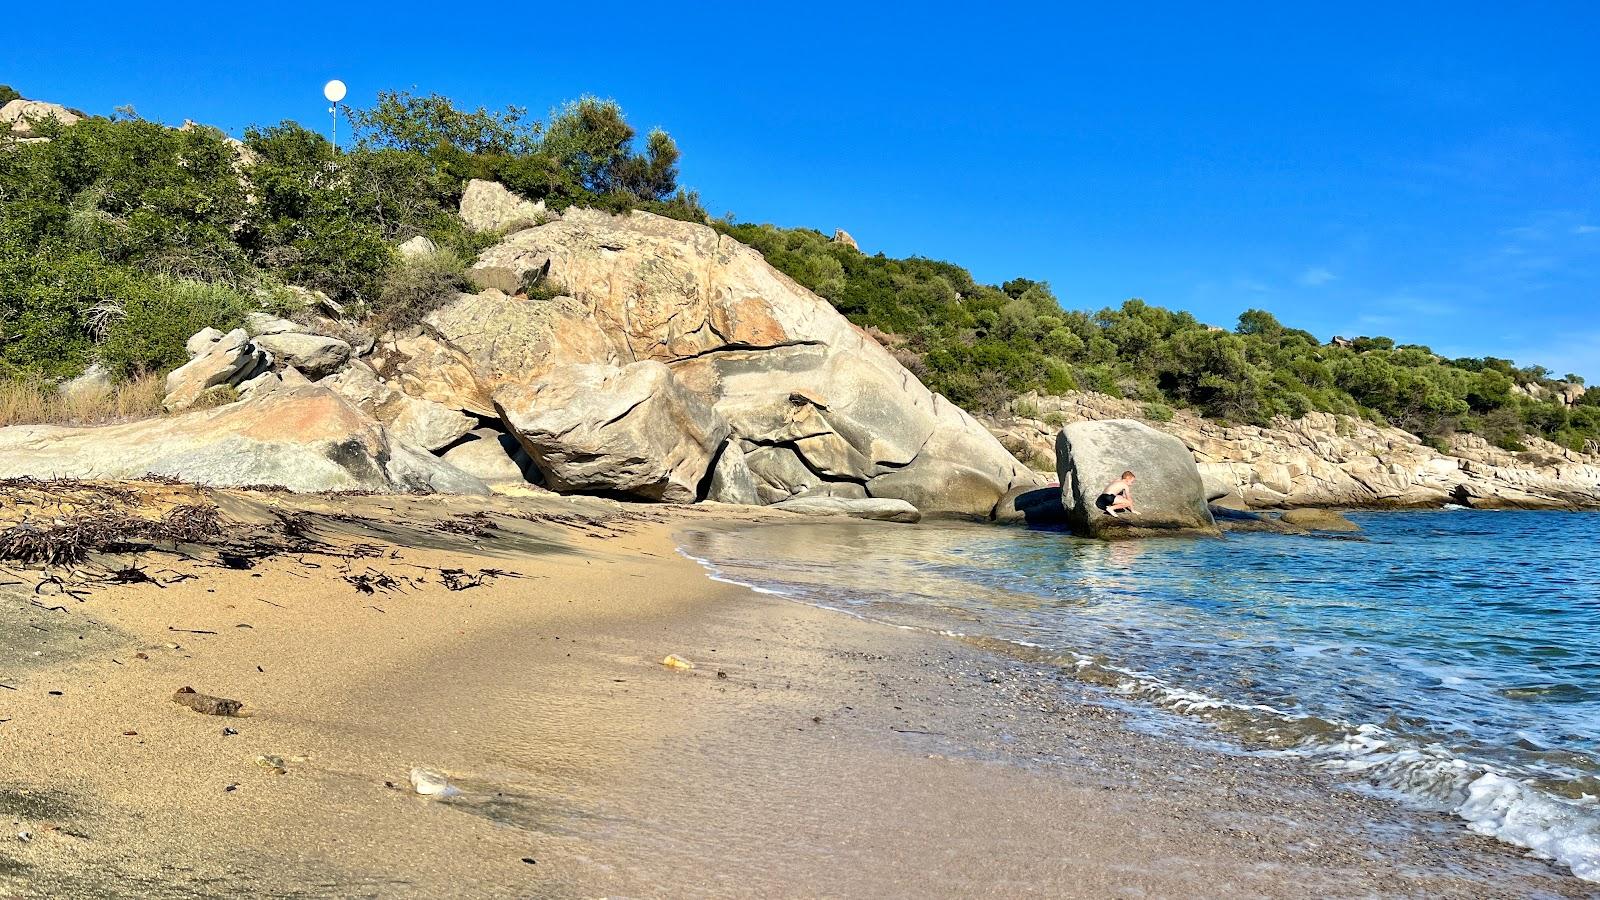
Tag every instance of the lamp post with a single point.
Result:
(334, 91)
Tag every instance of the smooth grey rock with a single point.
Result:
(633, 430)
(779, 474)
(305, 438)
(1031, 506)
(260, 323)
(201, 341)
(492, 456)
(417, 248)
(315, 355)
(731, 479)
(879, 510)
(424, 423)
(1169, 496)
(95, 381)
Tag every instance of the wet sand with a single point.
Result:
(807, 754)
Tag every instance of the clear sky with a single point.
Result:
(1426, 171)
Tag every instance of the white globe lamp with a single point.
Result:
(334, 91)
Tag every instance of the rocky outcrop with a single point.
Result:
(223, 360)
(1168, 493)
(1322, 460)
(304, 438)
(633, 430)
(811, 402)
(22, 115)
(488, 206)
(840, 236)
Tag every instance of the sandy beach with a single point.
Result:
(807, 753)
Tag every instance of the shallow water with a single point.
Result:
(1452, 658)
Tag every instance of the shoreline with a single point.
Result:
(837, 756)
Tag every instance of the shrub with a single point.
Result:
(414, 287)
(31, 401)
(8, 94)
(153, 324)
(1158, 412)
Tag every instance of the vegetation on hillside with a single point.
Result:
(120, 237)
(983, 345)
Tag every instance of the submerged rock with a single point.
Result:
(879, 510)
(1318, 520)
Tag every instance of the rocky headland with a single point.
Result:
(1322, 460)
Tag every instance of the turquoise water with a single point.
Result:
(1452, 658)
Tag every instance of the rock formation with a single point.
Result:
(1169, 496)
(811, 403)
(488, 206)
(1331, 461)
(304, 438)
(633, 430)
(21, 114)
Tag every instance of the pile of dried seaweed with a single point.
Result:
(69, 540)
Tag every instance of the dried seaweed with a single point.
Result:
(477, 524)
(190, 524)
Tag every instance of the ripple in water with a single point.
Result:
(1453, 657)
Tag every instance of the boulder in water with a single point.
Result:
(1169, 496)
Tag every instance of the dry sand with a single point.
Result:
(806, 754)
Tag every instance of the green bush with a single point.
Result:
(1158, 412)
(414, 287)
(153, 323)
(8, 94)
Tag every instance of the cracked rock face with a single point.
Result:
(810, 399)
(632, 430)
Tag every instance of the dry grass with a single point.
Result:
(42, 403)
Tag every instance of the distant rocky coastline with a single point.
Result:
(1322, 460)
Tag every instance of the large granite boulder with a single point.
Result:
(302, 437)
(315, 355)
(488, 206)
(809, 397)
(634, 430)
(1169, 495)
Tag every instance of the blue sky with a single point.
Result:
(1431, 173)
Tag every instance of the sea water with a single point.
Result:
(1449, 658)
